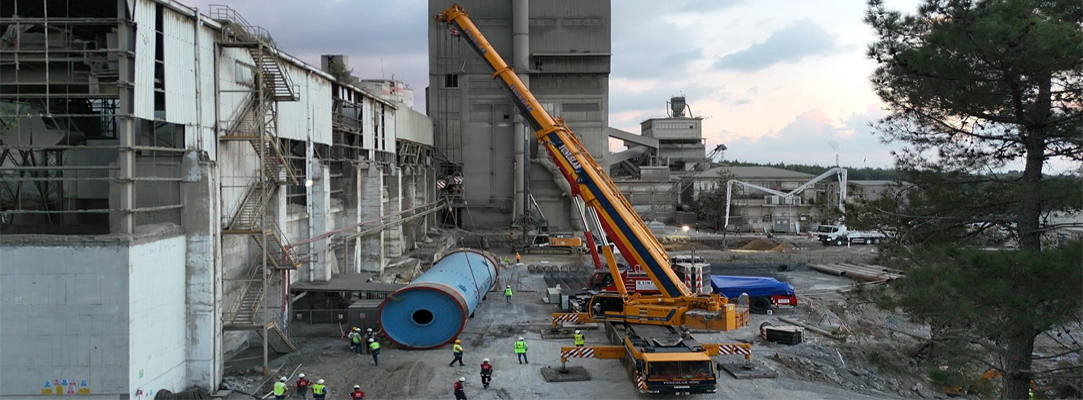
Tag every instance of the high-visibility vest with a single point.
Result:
(318, 388)
(520, 347)
(280, 388)
(579, 339)
(374, 345)
(355, 337)
(457, 349)
(507, 292)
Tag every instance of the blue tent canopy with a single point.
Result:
(733, 286)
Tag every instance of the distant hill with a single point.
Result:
(853, 174)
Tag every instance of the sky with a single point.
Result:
(775, 80)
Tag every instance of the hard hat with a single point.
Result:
(520, 338)
(370, 340)
(300, 375)
(485, 360)
(283, 379)
(369, 329)
(576, 331)
(509, 286)
(462, 379)
(320, 381)
(356, 386)
(457, 341)
(354, 329)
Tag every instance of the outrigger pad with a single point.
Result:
(748, 370)
(573, 374)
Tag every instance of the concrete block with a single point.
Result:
(87, 289)
(748, 370)
(571, 374)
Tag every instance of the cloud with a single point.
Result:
(802, 39)
(809, 137)
(646, 43)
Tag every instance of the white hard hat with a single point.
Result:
(283, 379)
(370, 340)
(300, 375)
(320, 381)
(369, 329)
(462, 379)
(485, 360)
(509, 286)
(577, 331)
(356, 386)
(520, 338)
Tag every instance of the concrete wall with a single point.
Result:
(77, 311)
(156, 309)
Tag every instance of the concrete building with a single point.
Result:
(679, 135)
(561, 50)
(392, 90)
(165, 176)
(756, 211)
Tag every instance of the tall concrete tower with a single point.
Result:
(562, 51)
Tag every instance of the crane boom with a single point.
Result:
(588, 180)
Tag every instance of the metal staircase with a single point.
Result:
(256, 121)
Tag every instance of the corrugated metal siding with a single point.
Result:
(180, 70)
(239, 165)
(413, 126)
(311, 116)
(144, 59)
(207, 36)
(576, 25)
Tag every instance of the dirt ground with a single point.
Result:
(819, 368)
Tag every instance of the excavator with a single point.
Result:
(641, 328)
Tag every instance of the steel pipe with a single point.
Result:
(433, 309)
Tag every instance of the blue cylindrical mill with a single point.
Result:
(432, 310)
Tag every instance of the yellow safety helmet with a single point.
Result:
(457, 341)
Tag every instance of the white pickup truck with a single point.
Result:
(838, 235)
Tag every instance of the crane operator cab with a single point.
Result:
(606, 302)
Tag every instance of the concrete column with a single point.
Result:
(430, 195)
(369, 254)
(409, 200)
(420, 227)
(203, 276)
(520, 22)
(393, 234)
(318, 222)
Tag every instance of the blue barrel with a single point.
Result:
(432, 310)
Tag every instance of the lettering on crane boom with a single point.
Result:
(477, 44)
(571, 158)
(522, 99)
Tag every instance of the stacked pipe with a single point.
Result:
(432, 310)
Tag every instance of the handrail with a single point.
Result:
(225, 13)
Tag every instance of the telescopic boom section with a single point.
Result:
(619, 220)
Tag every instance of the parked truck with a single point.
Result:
(839, 235)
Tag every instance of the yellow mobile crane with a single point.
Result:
(676, 305)
(658, 357)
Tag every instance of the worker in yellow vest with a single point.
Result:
(280, 388)
(457, 351)
(319, 391)
(507, 293)
(520, 350)
(579, 340)
(374, 347)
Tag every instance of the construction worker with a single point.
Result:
(280, 388)
(520, 350)
(369, 334)
(302, 386)
(506, 260)
(374, 347)
(457, 351)
(357, 393)
(507, 293)
(579, 341)
(355, 340)
(518, 258)
(319, 391)
(486, 372)
(1030, 394)
(459, 393)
